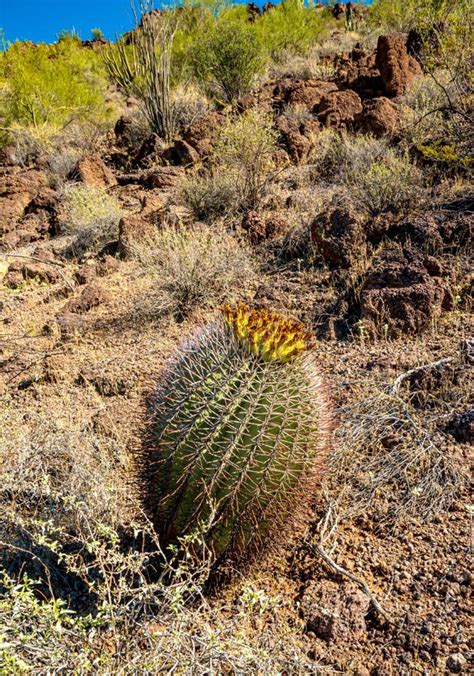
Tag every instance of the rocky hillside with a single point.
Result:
(337, 190)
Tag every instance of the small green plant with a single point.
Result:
(246, 148)
(92, 217)
(241, 422)
(375, 176)
(242, 168)
(390, 184)
(228, 59)
(97, 33)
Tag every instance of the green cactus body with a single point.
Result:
(237, 428)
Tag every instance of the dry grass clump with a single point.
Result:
(189, 104)
(307, 66)
(391, 460)
(375, 176)
(86, 588)
(211, 195)
(196, 267)
(92, 217)
(57, 150)
(47, 462)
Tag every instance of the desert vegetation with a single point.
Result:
(236, 342)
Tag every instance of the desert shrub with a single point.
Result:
(446, 34)
(43, 461)
(31, 144)
(51, 84)
(291, 28)
(392, 183)
(211, 195)
(81, 569)
(196, 18)
(189, 104)
(375, 176)
(228, 59)
(245, 149)
(403, 15)
(68, 146)
(92, 217)
(387, 446)
(242, 168)
(194, 267)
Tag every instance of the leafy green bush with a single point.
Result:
(228, 59)
(291, 27)
(403, 15)
(51, 84)
(246, 147)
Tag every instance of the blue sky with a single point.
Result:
(42, 20)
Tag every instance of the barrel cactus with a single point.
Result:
(240, 426)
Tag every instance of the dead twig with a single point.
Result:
(419, 370)
(327, 528)
(319, 549)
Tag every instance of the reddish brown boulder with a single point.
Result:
(183, 153)
(400, 296)
(261, 99)
(260, 226)
(337, 236)
(21, 271)
(435, 230)
(358, 71)
(124, 131)
(93, 171)
(17, 190)
(292, 139)
(163, 178)
(380, 117)
(340, 108)
(397, 68)
(150, 151)
(91, 296)
(27, 182)
(133, 231)
(335, 613)
(152, 204)
(202, 133)
(307, 93)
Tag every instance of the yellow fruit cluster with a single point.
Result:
(267, 333)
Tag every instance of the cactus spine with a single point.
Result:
(240, 421)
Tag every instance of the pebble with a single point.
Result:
(456, 662)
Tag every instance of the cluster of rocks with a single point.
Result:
(403, 289)
(362, 96)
